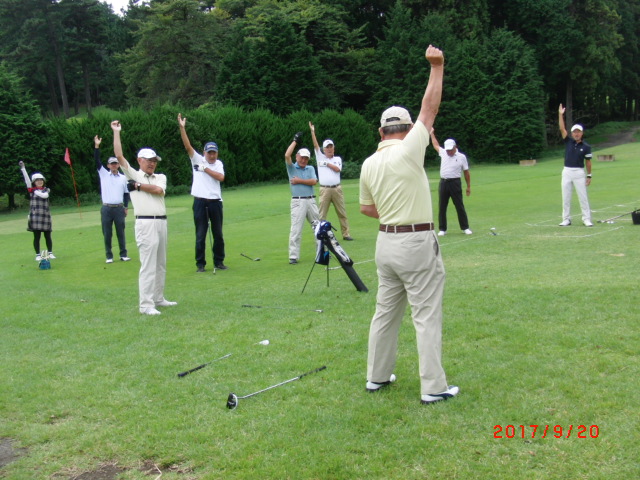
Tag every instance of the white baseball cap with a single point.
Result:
(449, 144)
(304, 152)
(37, 176)
(395, 116)
(327, 142)
(577, 126)
(148, 154)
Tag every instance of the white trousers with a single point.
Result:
(301, 209)
(151, 238)
(410, 268)
(575, 177)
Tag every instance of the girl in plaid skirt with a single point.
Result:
(39, 221)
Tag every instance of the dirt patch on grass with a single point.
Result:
(9, 453)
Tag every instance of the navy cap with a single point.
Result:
(211, 147)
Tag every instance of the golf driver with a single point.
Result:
(284, 308)
(257, 259)
(232, 400)
(187, 372)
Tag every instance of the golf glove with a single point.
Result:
(297, 137)
(131, 185)
(322, 163)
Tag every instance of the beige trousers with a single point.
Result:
(335, 196)
(151, 238)
(410, 269)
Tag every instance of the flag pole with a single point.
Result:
(67, 159)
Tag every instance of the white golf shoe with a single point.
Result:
(375, 386)
(467, 232)
(150, 311)
(450, 392)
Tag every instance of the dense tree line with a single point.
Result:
(509, 62)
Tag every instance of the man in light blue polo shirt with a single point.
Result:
(302, 178)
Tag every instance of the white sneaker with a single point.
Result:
(450, 392)
(564, 223)
(374, 386)
(166, 303)
(125, 259)
(468, 232)
(587, 223)
(150, 311)
(442, 233)
(51, 255)
(38, 257)
(109, 260)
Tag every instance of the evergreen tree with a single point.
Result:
(22, 136)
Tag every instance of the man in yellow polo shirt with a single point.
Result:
(147, 190)
(394, 189)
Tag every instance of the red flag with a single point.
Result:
(67, 158)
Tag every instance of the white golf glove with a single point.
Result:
(322, 163)
(203, 165)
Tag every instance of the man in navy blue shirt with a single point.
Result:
(577, 155)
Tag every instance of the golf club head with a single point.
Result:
(232, 401)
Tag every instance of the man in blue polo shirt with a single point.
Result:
(577, 155)
(302, 178)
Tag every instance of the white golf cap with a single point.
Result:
(37, 176)
(304, 152)
(327, 142)
(577, 126)
(112, 160)
(395, 116)
(449, 144)
(148, 154)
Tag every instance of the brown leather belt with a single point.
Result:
(416, 227)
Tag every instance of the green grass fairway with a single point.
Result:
(540, 328)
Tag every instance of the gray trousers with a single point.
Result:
(111, 216)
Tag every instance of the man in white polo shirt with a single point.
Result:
(329, 168)
(147, 190)
(208, 172)
(453, 164)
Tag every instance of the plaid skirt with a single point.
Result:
(39, 215)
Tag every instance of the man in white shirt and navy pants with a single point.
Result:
(453, 163)
(208, 172)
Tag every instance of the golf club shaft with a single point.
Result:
(183, 374)
(286, 381)
(617, 216)
(283, 308)
(247, 256)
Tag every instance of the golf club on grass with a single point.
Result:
(257, 259)
(284, 308)
(187, 372)
(607, 220)
(184, 374)
(493, 231)
(232, 400)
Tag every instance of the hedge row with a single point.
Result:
(252, 143)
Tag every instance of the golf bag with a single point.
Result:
(327, 243)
